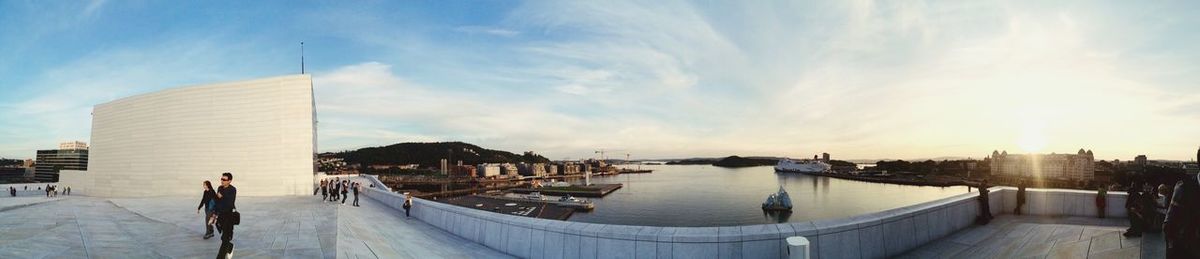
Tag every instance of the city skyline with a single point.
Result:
(859, 80)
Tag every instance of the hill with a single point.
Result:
(737, 161)
(430, 154)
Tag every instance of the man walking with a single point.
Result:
(356, 186)
(226, 214)
(345, 191)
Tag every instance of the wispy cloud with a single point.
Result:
(859, 79)
(488, 30)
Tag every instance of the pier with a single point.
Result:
(514, 207)
(595, 190)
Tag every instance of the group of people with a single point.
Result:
(1147, 207)
(220, 210)
(336, 188)
(52, 190)
(1173, 209)
(332, 190)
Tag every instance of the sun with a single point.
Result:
(1031, 140)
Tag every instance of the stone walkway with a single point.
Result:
(1043, 237)
(272, 227)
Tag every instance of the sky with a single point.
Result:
(653, 79)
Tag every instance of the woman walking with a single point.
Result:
(208, 201)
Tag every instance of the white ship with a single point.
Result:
(805, 166)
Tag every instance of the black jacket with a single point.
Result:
(226, 203)
(208, 196)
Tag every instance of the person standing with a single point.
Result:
(1020, 197)
(985, 211)
(1149, 213)
(408, 203)
(335, 187)
(345, 190)
(355, 187)
(1182, 225)
(1133, 209)
(226, 207)
(208, 202)
(324, 190)
(1101, 200)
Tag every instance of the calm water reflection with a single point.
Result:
(703, 195)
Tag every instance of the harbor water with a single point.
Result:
(706, 196)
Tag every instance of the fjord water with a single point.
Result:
(706, 196)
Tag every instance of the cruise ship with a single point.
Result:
(805, 166)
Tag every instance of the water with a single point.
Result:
(706, 196)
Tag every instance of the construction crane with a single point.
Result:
(602, 152)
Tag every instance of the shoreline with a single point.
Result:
(911, 182)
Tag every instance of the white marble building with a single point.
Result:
(166, 143)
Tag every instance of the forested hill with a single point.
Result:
(430, 154)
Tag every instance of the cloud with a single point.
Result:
(494, 31)
(858, 79)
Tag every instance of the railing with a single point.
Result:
(875, 235)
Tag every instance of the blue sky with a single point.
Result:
(658, 79)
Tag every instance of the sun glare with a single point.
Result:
(1031, 140)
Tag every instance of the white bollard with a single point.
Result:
(797, 247)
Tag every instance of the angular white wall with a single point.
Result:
(166, 143)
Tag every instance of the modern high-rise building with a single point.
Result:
(50, 162)
(167, 142)
(1079, 166)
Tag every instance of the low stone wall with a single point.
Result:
(1058, 202)
(875, 235)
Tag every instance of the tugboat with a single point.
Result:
(779, 201)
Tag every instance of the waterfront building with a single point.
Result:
(509, 169)
(445, 166)
(825, 157)
(534, 169)
(569, 168)
(463, 171)
(52, 161)
(1079, 166)
(164, 143)
(487, 170)
(551, 169)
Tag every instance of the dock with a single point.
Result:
(594, 191)
(566, 204)
(512, 207)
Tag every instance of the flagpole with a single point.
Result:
(301, 57)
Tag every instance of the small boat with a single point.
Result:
(537, 196)
(778, 201)
(568, 198)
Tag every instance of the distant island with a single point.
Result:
(737, 161)
(693, 161)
